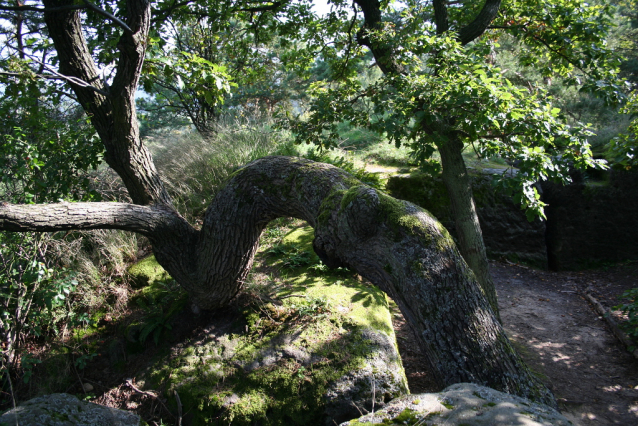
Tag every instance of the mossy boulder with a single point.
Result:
(61, 409)
(463, 404)
(146, 272)
(319, 350)
(506, 231)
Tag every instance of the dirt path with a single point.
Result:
(563, 339)
(594, 378)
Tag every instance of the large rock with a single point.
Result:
(506, 231)
(463, 404)
(592, 222)
(61, 409)
(320, 349)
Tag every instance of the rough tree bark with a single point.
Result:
(398, 246)
(113, 115)
(395, 244)
(455, 175)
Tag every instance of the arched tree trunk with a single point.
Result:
(396, 245)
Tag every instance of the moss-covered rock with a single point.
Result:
(320, 352)
(463, 404)
(506, 231)
(146, 272)
(61, 409)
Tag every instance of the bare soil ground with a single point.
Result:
(562, 338)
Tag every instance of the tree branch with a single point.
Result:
(57, 76)
(41, 9)
(108, 16)
(76, 216)
(87, 5)
(478, 26)
(440, 16)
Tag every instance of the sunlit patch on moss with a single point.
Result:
(146, 272)
(277, 365)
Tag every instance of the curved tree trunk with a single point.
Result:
(396, 245)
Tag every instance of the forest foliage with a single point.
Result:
(544, 80)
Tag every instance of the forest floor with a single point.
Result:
(557, 332)
(562, 338)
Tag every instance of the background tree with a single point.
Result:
(441, 92)
(220, 62)
(396, 245)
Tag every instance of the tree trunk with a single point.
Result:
(455, 175)
(468, 229)
(395, 244)
(398, 246)
(111, 109)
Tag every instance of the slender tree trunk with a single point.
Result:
(455, 175)
(468, 229)
(398, 246)
(111, 109)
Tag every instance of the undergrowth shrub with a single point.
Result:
(52, 283)
(347, 164)
(193, 167)
(630, 308)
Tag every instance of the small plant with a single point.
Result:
(314, 306)
(160, 307)
(28, 362)
(82, 361)
(319, 267)
(631, 310)
(293, 256)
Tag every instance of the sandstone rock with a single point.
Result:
(506, 231)
(319, 356)
(464, 404)
(592, 222)
(61, 409)
(379, 380)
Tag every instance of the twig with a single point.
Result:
(108, 16)
(179, 409)
(373, 391)
(77, 374)
(129, 383)
(8, 373)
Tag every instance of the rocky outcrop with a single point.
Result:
(589, 222)
(320, 349)
(61, 409)
(506, 231)
(463, 404)
(592, 222)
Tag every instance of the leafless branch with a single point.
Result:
(108, 16)
(40, 9)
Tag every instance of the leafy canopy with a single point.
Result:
(447, 90)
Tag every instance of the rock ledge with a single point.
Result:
(463, 404)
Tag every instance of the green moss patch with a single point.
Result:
(292, 359)
(147, 271)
